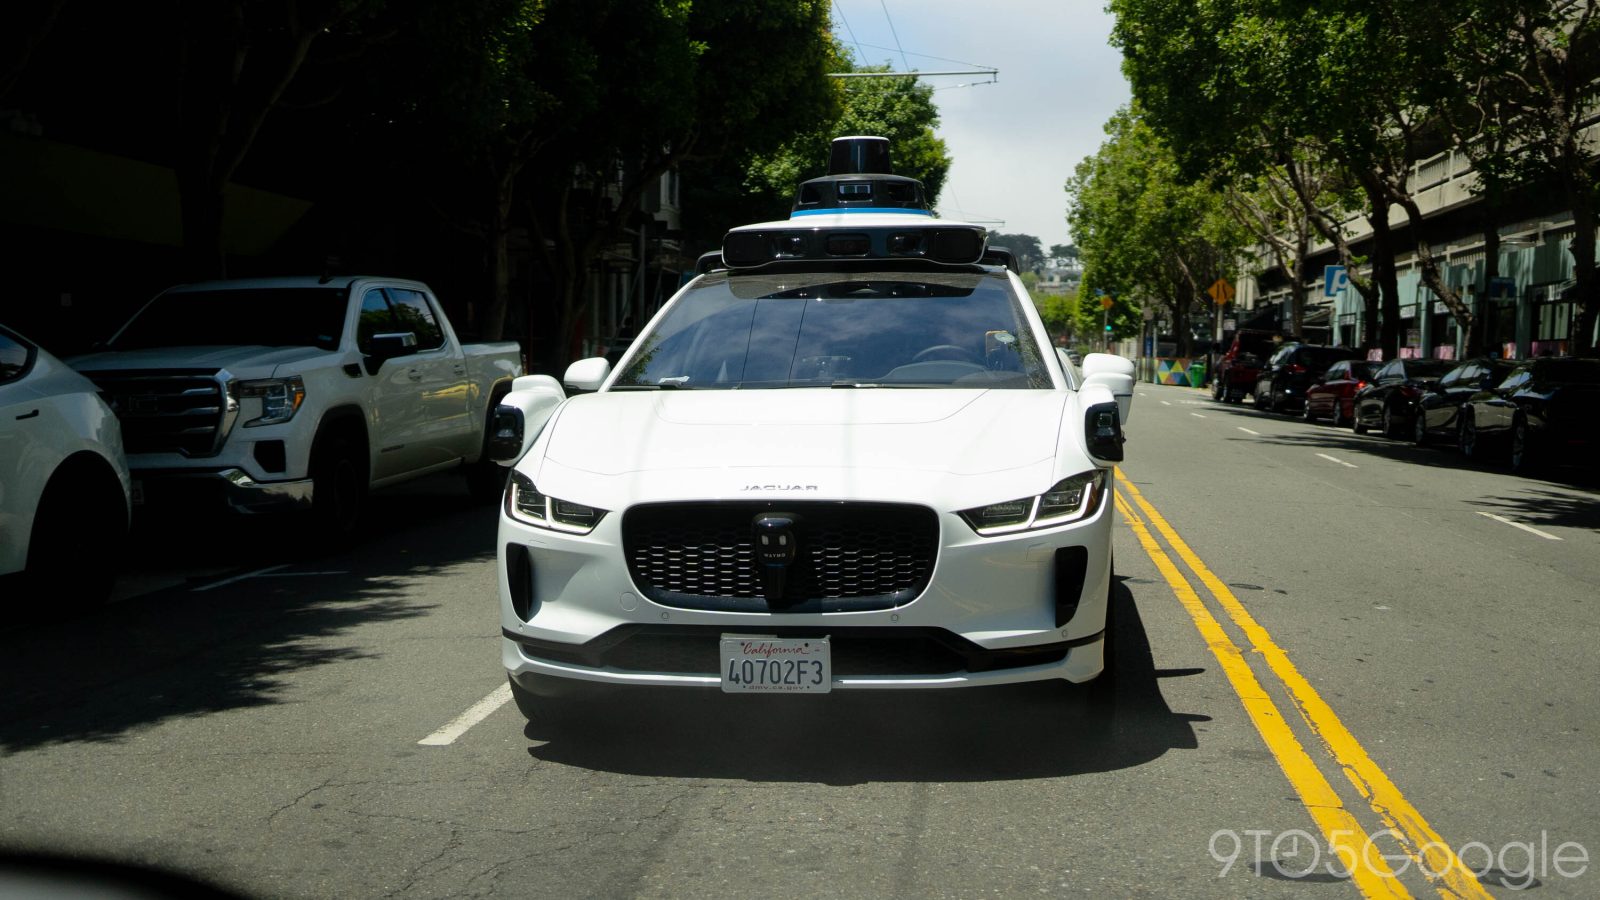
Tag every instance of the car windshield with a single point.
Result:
(271, 317)
(959, 330)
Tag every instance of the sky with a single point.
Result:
(1013, 143)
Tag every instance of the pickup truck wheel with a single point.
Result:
(339, 488)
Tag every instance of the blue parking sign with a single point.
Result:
(1334, 280)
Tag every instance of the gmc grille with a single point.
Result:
(175, 411)
(852, 556)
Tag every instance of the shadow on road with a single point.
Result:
(94, 674)
(976, 734)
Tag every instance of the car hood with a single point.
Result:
(238, 359)
(617, 448)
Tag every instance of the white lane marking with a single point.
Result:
(217, 584)
(1339, 461)
(475, 713)
(1143, 394)
(1165, 403)
(1248, 431)
(1528, 528)
(1197, 415)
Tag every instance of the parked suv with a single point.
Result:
(1295, 367)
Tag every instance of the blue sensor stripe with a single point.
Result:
(860, 209)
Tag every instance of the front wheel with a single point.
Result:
(1356, 424)
(338, 488)
(1467, 436)
(1419, 429)
(1337, 416)
(1522, 460)
(1389, 421)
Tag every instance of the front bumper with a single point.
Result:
(232, 487)
(988, 615)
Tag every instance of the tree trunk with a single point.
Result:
(491, 325)
(1587, 290)
(1383, 268)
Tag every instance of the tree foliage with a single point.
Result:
(1242, 88)
(1146, 235)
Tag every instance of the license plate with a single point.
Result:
(758, 664)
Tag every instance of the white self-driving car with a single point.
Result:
(64, 487)
(843, 457)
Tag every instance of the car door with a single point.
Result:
(25, 463)
(440, 378)
(397, 410)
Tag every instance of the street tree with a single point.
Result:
(1145, 231)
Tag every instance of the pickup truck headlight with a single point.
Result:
(280, 398)
(1069, 500)
(526, 504)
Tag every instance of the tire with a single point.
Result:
(339, 488)
(1355, 419)
(547, 706)
(1305, 411)
(1386, 419)
(1419, 429)
(66, 559)
(1467, 436)
(1523, 459)
(1216, 389)
(1336, 418)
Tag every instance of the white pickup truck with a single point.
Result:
(305, 393)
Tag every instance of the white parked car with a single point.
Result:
(845, 457)
(64, 505)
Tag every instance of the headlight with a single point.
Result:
(280, 398)
(1069, 500)
(524, 503)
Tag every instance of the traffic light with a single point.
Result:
(1108, 327)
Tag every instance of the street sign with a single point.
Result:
(1105, 302)
(1334, 280)
(1221, 291)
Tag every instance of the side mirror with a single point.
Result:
(384, 347)
(587, 374)
(521, 415)
(1116, 374)
(1102, 427)
(388, 346)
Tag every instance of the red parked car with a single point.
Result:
(1239, 368)
(1332, 396)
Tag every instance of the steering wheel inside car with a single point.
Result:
(945, 351)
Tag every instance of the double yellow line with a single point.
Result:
(1346, 838)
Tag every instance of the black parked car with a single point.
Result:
(1545, 411)
(1283, 381)
(1438, 410)
(1390, 398)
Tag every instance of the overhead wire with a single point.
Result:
(846, 22)
(896, 35)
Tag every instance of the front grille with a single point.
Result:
(178, 411)
(855, 651)
(851, 556)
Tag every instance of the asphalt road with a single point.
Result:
(1321, 637)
